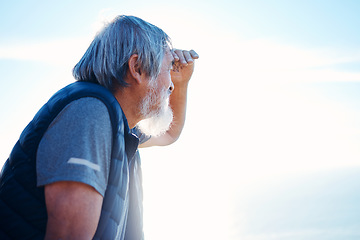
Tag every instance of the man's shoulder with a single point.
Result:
(90, 105)
(89, 109)
(79, 90)
(91, 97)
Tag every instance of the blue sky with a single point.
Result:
(270, 149)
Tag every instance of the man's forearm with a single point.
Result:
(178, 104)
(183, 68)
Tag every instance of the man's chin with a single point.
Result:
(156, 125)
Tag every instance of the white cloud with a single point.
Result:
(58, 52)
(272, 55)
(266, 60)
(62, 51)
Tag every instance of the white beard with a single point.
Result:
(156, 122)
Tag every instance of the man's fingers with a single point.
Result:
(188, 57)
(176, 57)
(180, 55)
(184, 56)
(193, 54)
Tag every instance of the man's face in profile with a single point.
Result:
(155, 106)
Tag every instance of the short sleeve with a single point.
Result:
(77, 146)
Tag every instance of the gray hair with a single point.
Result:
(106, 60)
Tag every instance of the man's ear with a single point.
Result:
(134, 68)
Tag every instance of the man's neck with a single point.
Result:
(129, 104)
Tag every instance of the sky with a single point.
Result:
(270, 149)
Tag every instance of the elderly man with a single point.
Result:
(75, 171)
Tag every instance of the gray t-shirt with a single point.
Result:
(77, 146)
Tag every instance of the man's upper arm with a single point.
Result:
(73, 210)
(77, 146)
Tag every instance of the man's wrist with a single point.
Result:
(181, 85)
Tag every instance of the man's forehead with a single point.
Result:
(168, 55)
